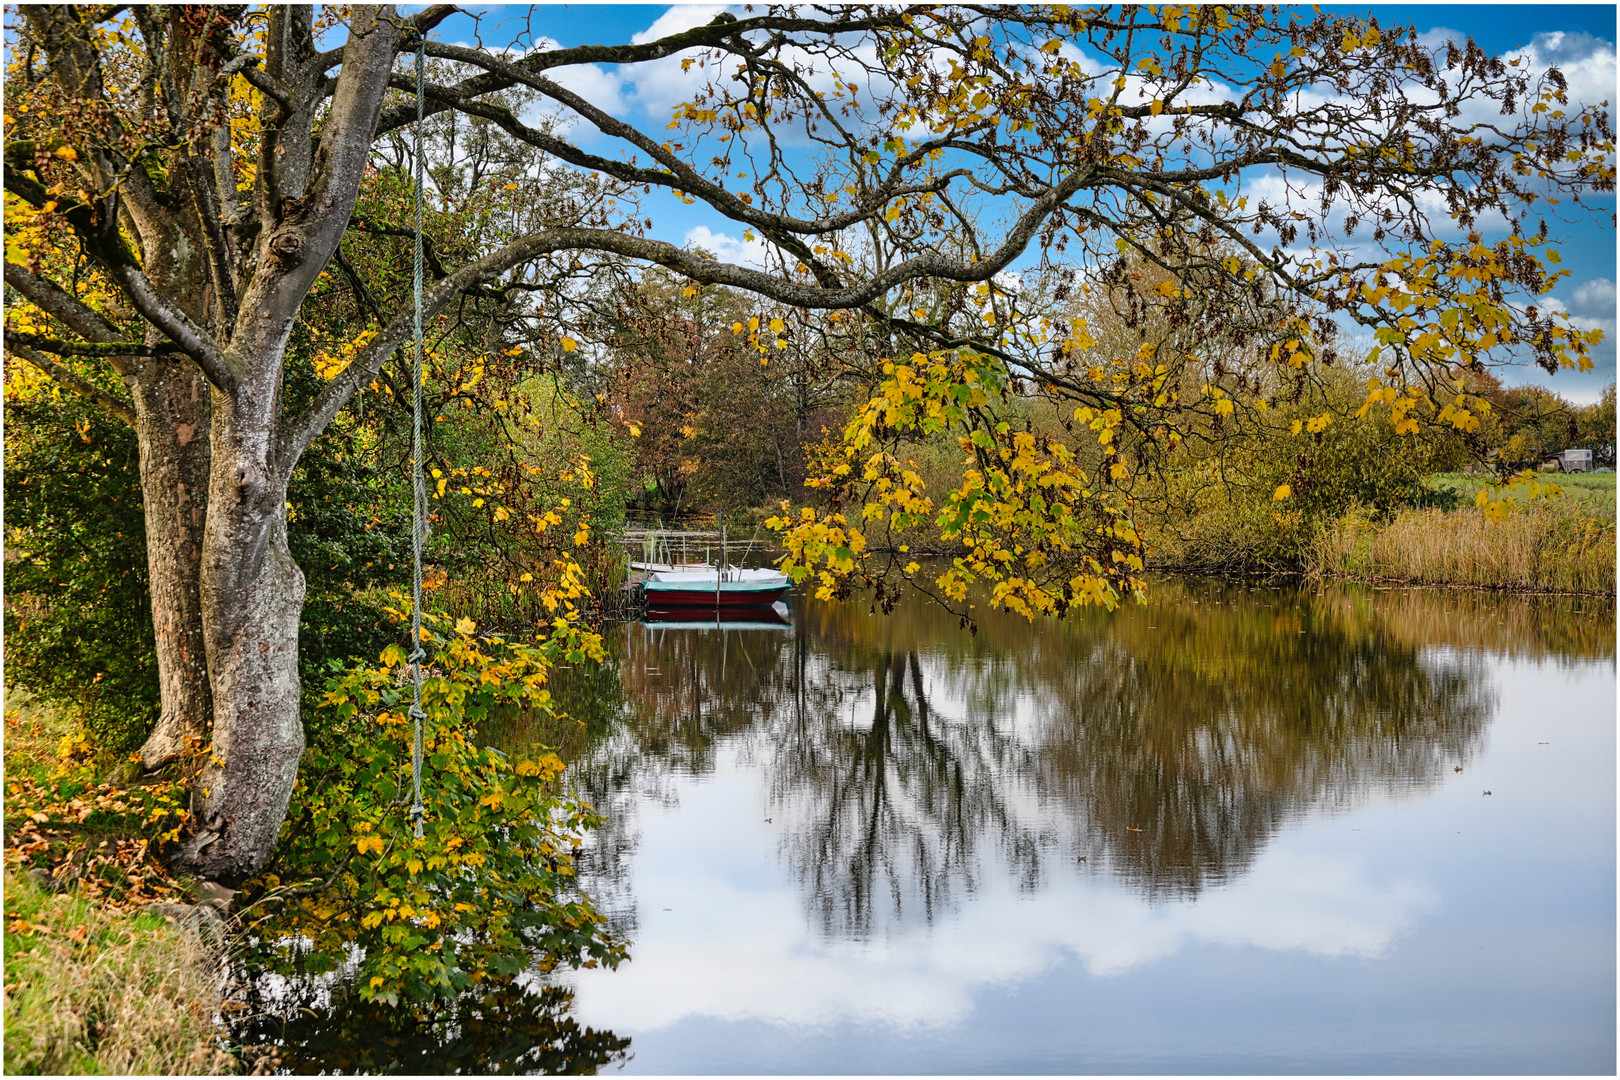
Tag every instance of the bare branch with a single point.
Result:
(715, 33)
(268, 86)
(298, 433)
(175, 324)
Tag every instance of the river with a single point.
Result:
(1246, 827)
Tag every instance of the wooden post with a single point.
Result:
(720, 568)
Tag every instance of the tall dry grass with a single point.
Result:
(91, 990)
(1547, 547)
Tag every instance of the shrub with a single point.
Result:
(78, 617)
(488, 889)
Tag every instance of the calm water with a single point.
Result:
(1245, 828)
(1242, 829)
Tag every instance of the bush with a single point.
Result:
(78, 617)
(488, 890)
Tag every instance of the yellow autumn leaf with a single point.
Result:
(67, 153)
(569, 344)
(465, 626)
(1282, 492)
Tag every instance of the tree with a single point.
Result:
(206, 165)
(1594, 428)
(78, 608)
(719, 424)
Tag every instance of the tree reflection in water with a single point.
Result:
(500, 1029)
(1165, 743)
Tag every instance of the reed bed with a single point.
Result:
(1560, 548)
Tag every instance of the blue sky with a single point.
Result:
(1580, 39)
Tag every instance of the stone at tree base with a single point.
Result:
(43, 879)
(213, 890)
(205, 920)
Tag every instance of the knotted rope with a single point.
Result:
(418, 479)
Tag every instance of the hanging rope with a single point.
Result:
(418, 481)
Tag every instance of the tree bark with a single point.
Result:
(252, 594)
(172, 414)
(173, 409)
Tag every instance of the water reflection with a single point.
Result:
(1164, 745)
(502, 1029)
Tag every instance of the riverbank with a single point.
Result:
(90, 989)
(1547, 548)
(1563, 543)
(94, 982)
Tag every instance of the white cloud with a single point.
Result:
(1593, 299)
(1588, 63)
(676, 19)
(754, 253)
(1437, 37)
(601, 87)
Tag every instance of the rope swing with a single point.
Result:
(418, 480)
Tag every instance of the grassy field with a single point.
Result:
(93, 990)
(1594, 491)
(92, 987)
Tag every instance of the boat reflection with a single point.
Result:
(774, 616)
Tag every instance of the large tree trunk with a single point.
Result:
(172, 413)
(173, 407)
(252, 594)
(252, 591)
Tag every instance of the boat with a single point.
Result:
(708, 589)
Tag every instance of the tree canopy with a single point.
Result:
(1149, 218)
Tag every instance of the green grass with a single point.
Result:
(1594, 491)
(89, 990)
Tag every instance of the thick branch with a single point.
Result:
(108, 350)
(57, 302)
(123, 410)
(298, 433)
